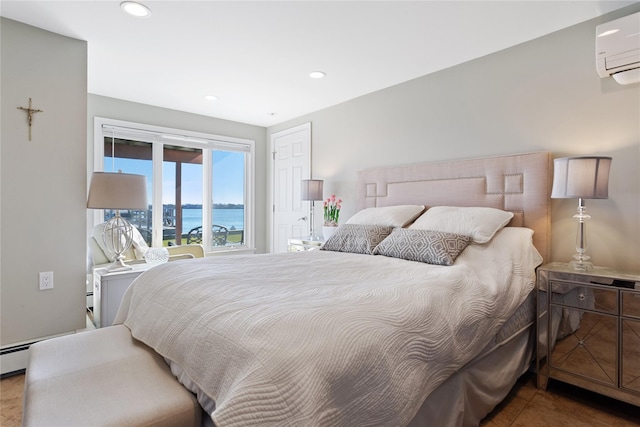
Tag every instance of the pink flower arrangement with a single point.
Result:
(332, 211)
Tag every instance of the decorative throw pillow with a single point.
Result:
(479, 223)
(392, 216)
(431, 247)
(356, 238)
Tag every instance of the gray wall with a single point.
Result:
(43, 182)
(112, 108)
(543, 95)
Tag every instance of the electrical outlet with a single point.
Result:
(46, 280)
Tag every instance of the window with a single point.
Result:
(181, 194)
(228, 208)
(186, 172)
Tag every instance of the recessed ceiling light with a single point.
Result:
(135, 9)
(317, 74)
(211, 97)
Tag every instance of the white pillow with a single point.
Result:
(390, 216)
(479, 223)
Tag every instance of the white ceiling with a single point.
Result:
(256, 56)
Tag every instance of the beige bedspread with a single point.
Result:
(323, 338)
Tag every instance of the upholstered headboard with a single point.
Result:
(519, 183)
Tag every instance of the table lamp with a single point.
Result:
(312, 191)
(581, 178)
(117, 191)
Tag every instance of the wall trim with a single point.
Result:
(14, 357)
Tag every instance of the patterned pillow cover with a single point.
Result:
(431, 247)
(356, 238)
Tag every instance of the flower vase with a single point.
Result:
(327, 231)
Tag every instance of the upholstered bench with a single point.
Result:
(103, 378)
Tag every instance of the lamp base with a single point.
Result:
(119, 265)
(581, 265)
(118, 236)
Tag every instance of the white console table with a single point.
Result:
(108, 290)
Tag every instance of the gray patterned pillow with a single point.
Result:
(431, 247)
(356, 238)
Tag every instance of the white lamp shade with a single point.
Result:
(581, 177)
(118, 191)
(312, 189)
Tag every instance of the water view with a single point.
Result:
(232, 219)
(229, 217)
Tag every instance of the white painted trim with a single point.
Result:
(250, 195)
(156, 166)
(99, 121)
(207, 199)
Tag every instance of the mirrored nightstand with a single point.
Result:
(588, 330)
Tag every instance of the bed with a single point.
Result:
(365, 332)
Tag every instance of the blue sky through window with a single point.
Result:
(228, 178)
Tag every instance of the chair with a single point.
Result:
(177, 252)
(219, 235)
(101, 255)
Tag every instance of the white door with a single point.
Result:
(291, 163)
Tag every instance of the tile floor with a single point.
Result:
(11, 401)
(560, 405)
(526, 406)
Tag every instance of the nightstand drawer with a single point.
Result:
(630, 303)
(587, 345)
(585, 297)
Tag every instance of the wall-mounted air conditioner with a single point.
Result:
(618, 49)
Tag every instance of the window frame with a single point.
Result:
(158, 136)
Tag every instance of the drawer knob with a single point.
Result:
(581, 297)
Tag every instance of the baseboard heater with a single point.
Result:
(14, 358)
